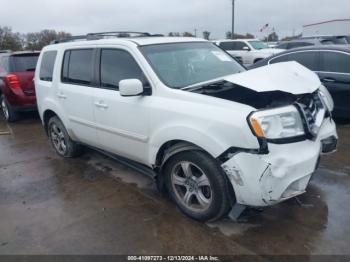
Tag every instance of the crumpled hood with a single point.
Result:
(290, 77)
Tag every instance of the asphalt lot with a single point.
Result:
(94, 205)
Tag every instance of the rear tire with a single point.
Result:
(60, 140)
(9, 113)
(198, 186)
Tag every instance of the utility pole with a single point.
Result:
(233, 19)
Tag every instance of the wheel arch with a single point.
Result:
(173, 147)
(47, 115)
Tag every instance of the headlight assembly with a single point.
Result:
(279, 123)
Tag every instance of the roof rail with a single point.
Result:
(97, 36)
(5, 51)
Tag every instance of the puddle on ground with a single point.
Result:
(230, 228)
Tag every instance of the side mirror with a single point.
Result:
(130, 87)
(246, 48)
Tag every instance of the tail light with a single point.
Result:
(13, 82)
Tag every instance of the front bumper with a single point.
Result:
(263, 180)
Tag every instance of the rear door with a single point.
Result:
(75, 93)
(335, 75)
(122, 122)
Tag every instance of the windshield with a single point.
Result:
(180, 65)
(258, 45)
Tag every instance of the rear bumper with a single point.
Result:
(264, 180)
(21, 101)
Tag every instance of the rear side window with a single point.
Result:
(23, 63)
(47, 65)
(298, 44)
(335, 62)
(240, 46)
(117, 65)
(307, 59)
(228, 45)
(77, 66)
(4, 65)
(279, 59)
(282, 46)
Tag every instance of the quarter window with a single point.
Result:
(77, 66)
(335, 62)
(117, 65)
(47, 65)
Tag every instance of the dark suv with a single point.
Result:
(17, 92)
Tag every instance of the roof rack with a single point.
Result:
(102, 35)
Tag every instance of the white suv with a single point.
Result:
(247, 51)
(216, 137)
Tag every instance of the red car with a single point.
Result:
(17, 92)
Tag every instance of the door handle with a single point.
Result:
(101, 105)
(61, 95)
(328, 80)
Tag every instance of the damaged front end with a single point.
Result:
(292, 124)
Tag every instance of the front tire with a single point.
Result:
(60, 140)
(197, 185)
(9, 113)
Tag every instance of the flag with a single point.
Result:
(264, 27)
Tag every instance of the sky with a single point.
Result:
(163, 16)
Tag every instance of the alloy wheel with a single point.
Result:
(191, 186)
(58, 139)
(4, 108)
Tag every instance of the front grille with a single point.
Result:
(313, 110)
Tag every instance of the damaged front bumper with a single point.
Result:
(266, 179)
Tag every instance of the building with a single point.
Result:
(338, 27)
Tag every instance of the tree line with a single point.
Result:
(15, 41)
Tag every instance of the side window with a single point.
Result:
(307, 59)
(298, 44)
(77, 66)
(47, 65)
(4, 65)
(335, 62)
(240, 45)
(282, 46)
(117, 65)
(228, 45)
(279, 59)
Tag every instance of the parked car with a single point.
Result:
(216, 137)
(249, 51)
(17, 92)
(330, 63)
(313, 41)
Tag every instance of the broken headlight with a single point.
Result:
(279, 123)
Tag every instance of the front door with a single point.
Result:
(122, 122)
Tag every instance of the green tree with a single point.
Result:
(37, 40)
(187, 34)
(10, 40)
(206, 35)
